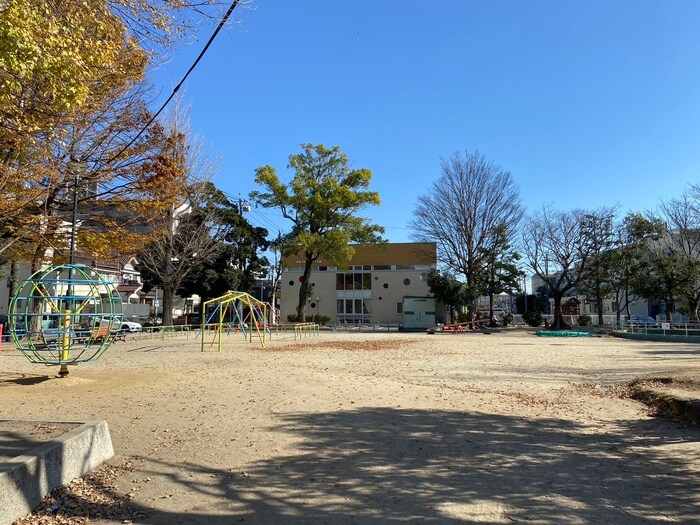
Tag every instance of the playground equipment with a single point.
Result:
(304, 330)
(246, 313)
(460, 328)
(561, 333)
(64, 315)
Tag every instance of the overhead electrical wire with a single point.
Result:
(265, 221)
(222, 22)
(260, 217)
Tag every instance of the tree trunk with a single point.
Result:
(558, 322)
(669, 309)
(693, 304)
(304, 290)
(39, 261)
(492, 321)
(168, 298)
(14, 278)
(599, 306)
(617, 306)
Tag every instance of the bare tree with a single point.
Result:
(559, 241)
(682, 219)
(186, 231)
(183, 237)
(472, 203)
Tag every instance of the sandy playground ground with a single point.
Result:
(372, 428)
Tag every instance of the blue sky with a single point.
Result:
(587, 104)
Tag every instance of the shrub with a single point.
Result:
(584, 320)
(507, 319)
(323, 320)
(532, 318)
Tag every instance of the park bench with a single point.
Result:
(100, 333)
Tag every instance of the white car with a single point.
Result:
(130, 326)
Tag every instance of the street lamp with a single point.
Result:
(74, 167)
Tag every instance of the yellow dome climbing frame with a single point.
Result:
(246, 313)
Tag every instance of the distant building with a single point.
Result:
(371, 289)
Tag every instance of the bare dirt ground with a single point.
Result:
(372, 429)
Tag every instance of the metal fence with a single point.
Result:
(366, 327)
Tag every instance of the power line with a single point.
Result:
(265, 220)
(222, 22)
(260, 216)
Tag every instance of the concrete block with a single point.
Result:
(26, 480)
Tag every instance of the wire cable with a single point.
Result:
(222, 22)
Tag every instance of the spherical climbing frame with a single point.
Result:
(248, 314)
(64, 315)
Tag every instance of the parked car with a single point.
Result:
(130, 326)
(643, 320)
(119, 325)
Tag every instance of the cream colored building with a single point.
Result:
(370, 290)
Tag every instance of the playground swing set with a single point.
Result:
(237, 311)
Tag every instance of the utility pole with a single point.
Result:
(276, 274)
(74, 167)
(243, 206)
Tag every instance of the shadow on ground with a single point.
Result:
(375, 466)
(24, 379)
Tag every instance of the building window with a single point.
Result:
(353, 281)
(357, 281)
(291, 283)
(353, 310)
(407, 281)
(399, 308)
(382, 267)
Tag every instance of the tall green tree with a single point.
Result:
(669, 268)
(322, 201)
(599, 233)
(448, 290)
(632, 239)
(500, 273)
(237, 263)
(664, 276)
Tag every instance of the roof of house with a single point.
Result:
(408, 253)
(128, 288)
